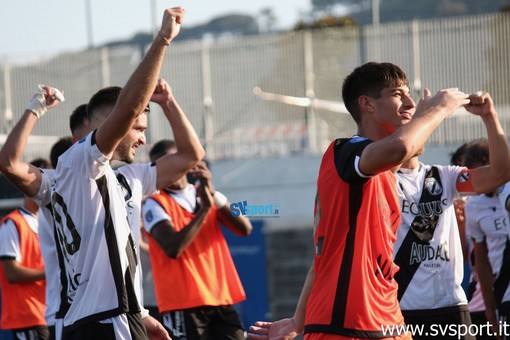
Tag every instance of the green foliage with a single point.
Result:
(403, 10)
(326, 21)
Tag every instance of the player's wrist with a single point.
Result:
(39, 105)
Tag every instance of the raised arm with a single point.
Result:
(25, 176)
(488, 178)
(408, 139)
(173, 166)
(139, 88)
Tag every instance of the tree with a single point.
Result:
(267, 20)
(326, 21)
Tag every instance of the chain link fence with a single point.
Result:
(255, 96)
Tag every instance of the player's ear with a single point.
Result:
(366, 103)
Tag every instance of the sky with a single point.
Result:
(31, 29)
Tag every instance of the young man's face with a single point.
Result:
(394, 107)
(126, 150)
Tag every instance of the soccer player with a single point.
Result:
(428, 249)
(487, 227)
(89, 206)
(22, 271)
(350, 291)
(190, 254)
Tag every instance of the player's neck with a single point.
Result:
(30, 206)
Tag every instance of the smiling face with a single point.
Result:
(393, 108)
(126, 150)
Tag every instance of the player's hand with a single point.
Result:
(172, 20)
(459, 204)
(206, 199)
(284, 329)
(424, 103)
(480, 104)
(45, 97)
(162, 93)
(448, 100)
(202, 173)
(155, 329)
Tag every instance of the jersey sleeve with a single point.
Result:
(9, 241)
(146, 173)
(504, 195)
(453, 181)
(472, 226)
(84, 157)
(463, 182)
(43, 196)
(347, 155)
(153, 213)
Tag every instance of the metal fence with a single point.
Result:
(214, 82)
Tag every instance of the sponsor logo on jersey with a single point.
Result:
(463, 177)
(426, 252)
(148, 216)
(433, 186)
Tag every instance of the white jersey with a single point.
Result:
(47, 235)
(473, 291)
(94, 236)
(51, 267)
(428, 249)
(487, 222)
(137, 181)
(9, 236)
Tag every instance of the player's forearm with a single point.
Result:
(18, 172)
(240, 225)
(183, 238)
(133, 99)
(299, 315)
(186, 139)
(16, 141)
(415, 134)
(24, 275)
(499, 154)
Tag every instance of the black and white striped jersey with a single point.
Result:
(487, 221)
(94, 236)
(428, 249)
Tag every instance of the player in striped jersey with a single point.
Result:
(116, 304)
(428, 247)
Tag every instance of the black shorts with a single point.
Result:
(204, 323)
(478, 318)
(109, 331)
(37, 332)
(441, 323)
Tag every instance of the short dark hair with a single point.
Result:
(457, 156)
(369, 79)
(106, 97)
(41, 163)
(477, 153)
(161, 148)
(59, 148)
(77, 118)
